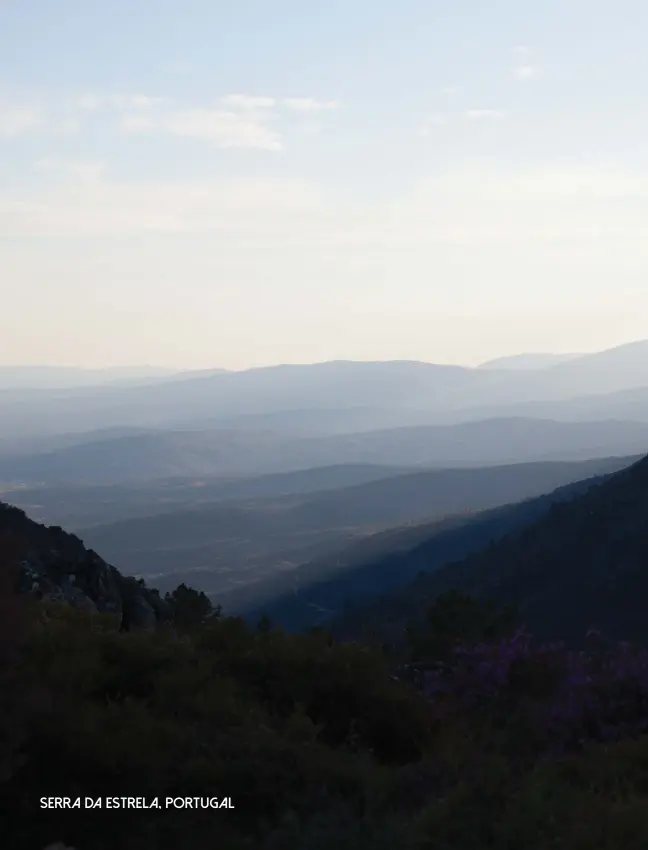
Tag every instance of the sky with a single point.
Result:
(241, 183)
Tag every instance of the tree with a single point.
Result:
(191, 608)
(265, 624)
(457, 619)
(15, 687)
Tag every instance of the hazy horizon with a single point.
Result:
(126, 367)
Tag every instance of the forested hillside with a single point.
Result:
(582, 565)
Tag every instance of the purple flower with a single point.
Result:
(569, 697)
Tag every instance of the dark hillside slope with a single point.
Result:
(314, 598)
(582, 565)
(235, 543)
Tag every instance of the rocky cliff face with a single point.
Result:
(56, 565)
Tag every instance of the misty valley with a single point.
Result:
(289, 497)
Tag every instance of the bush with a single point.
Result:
(319, 746)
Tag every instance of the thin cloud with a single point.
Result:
(246, 101)
(450, 90)
(484, 115)
(562, 207)
(432, 121)
(180, 67)
(89, 102)
(526, 72)
(138, 123)
(238, 121)
(256, 208)
(222, 128)
(17, 120)
(309, 104)
(93, 102)
(66, 127)
(81, 171)
(135, 101)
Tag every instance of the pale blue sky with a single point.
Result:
(232, 184)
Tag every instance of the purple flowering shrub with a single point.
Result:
(551, 698)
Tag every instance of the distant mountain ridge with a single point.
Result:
(528, 361)
(410, 387)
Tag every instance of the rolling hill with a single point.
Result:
(77, 507)
(150, 455)
(624, 405)
(229, 546)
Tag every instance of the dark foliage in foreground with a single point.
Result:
(319, 746)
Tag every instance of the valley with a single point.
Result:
(301, 509)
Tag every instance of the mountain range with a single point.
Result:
(263, 483)
(523, 362)
(423, 393)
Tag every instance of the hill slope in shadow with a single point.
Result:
(582, 564)
(431, 503)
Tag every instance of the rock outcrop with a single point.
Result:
(56, 565)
